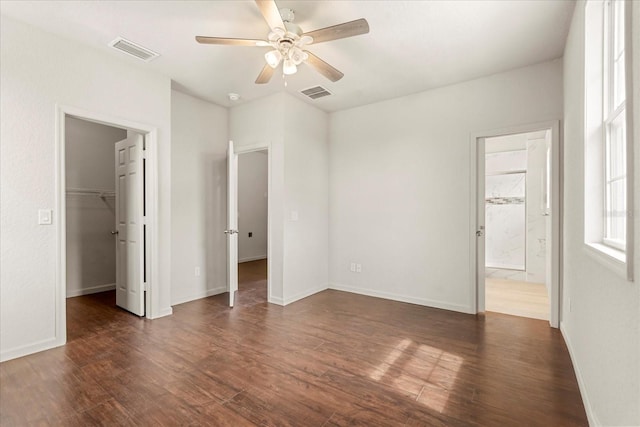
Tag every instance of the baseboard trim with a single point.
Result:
(275, 300)
(403, 298)
(305, 294)
(26, 350)
(199, 295)
(92, 290)
(252, 258)
(591, 416)
(168, 311)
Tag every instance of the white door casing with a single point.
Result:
(232, 223)
(129, 224)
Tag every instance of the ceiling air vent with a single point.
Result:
(315, 92)
(133, 49)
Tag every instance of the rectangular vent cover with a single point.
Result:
(315, 92)
(133, 49)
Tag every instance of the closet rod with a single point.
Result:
(90, 192)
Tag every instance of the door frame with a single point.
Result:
(262, 146)
(150, 134)
(477, 290)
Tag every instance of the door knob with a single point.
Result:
(114, 232)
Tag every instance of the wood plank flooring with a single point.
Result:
(517, 298)
(332, 359)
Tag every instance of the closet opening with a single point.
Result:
(104, 230)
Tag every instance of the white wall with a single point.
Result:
(400, 185)
(198, 198)
(261, 122)
(297, 138)
(91, 249)
(252, 205)
(601, 309)
(40, 71)
(306, 178)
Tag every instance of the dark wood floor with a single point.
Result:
(332, 359)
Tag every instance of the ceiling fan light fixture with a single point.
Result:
(297, 55)
(273, 58)
(289, 67)
(305, 40)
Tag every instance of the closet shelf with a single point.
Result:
(90, 192)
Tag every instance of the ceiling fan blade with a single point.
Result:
(340, 31)
(228, 41)
(271, 14)
(323, 68)
(265, 75)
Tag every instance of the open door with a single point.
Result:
(232, 223)
(130, 224)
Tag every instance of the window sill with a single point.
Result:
(612, 258)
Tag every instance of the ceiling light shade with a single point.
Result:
(305, 40)
(273, 58)
(289, 67)
(297, 55)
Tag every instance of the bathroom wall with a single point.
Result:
(538, 222)
(505, 215)
(515, 216)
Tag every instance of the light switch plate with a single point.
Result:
(294, 215)
(44, 216)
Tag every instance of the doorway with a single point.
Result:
(100, 212)
(516, 217)
(516, 220)
(253, 172)
(105, 253)
(255, 179)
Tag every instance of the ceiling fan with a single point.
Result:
(289, 42)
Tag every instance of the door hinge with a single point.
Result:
(146, 286)
(144, 154)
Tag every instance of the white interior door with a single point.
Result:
(480, 221)
(129, 224)
(232, 223)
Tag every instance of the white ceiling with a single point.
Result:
(412, 46)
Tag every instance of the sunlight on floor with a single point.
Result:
(382, 368)
(430, 370)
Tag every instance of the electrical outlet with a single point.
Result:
(197, 271)
(358, 268)
(353, 267)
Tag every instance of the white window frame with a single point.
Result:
(599, 117)
(612, 114)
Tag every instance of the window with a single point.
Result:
(608, 169)
(615, 161)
